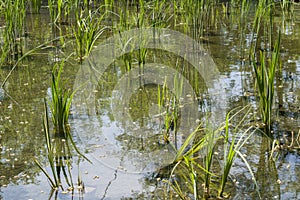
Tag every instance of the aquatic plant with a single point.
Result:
(196, 16)
(59, 158)
(168, 104)
(265, 58)
(185, 160)
(127, 58)
(188, 168)
(232, 147)
(108, 4)
(86, 31)
(60, 145)
(239, 14)
(14, 15)
(208, 159)
(162, 93)
(161, 13)
(208, 178)
(264, 78)
(258, 19)
(36, 4)
(56, 8)
(54, 180)
(60, 102)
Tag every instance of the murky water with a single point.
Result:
(123, 138)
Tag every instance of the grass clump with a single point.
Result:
(14, 15)
(87, 30)
(264, 79)
(60, 144)
(199, 171)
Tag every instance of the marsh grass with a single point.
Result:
(36, 5)
(52, 10)
(188, 170)
(196, 16)
(198, 165)
(197, 155)
(240, 13)
(259, 17)
(54, 181)
(59, 158)
(162, 99)
(87, 30)
(56, 10)
(60, 105)
(208, 160)
(267, 60)
(232, 145)
(264, 78)
(127, 58)
(168, 103)
(60, 145)
(14, 15)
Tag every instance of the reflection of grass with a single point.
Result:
(54, 182)
(195, 163)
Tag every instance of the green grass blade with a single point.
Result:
(52, 184)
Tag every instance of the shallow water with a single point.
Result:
(122, 138)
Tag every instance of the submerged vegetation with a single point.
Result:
(205, 157)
